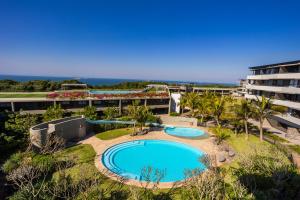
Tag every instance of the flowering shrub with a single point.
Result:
(131, 95)
(68, 95)
(82, 95)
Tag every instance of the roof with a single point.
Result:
(275, 65)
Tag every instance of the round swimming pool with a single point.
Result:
(130, 158)
(185, 132)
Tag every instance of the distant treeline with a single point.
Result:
(46, 85)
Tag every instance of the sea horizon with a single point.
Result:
(98, 81)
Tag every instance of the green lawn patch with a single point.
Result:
(241, 145)
(276, 137)
(20, 95)
(295, 148)
(83, 153)
(111, 134)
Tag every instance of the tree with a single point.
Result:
(218, 107)
(221, 134)
(192, 101)
(53, 112)
(244, 111)
(89, 112)
(262, 111)
(183, 102)
(110, 113)
(139, 113)
(203, 105)
(21, 123)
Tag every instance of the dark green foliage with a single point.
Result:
(13, 162)
(268, 173)
(89, 112)
(32, 86)
(15, 132)
(53, 112)
(46, 85)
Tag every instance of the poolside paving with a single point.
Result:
(206, 145)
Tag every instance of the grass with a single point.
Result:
(295, 148)
(80, 154)
(111, 134)
(20, 95)
(275, 137)
(241, 145)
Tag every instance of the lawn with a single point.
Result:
(111, 134)
(21, 95)
(241, 145)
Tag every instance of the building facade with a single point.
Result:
(281, 83)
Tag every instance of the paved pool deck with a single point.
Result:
(206, 145)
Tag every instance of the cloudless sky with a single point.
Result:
(206, 41)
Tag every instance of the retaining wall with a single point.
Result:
(69, 128)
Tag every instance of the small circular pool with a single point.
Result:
(129, 159)
(185, 132)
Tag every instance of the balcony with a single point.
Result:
(286, 103)
(274, 76)
(277, 89)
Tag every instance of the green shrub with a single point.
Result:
(174, 114)
(13, 162)
(43, 162)
(221, 133)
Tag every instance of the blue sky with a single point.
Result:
(206, 41)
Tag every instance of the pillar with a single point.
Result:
(12, 106)
(120, 107)
(90, 103)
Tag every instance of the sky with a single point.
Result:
(205, 41)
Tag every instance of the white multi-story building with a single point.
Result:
(281, 83)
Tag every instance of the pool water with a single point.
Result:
(184, 132)
(130, 158)
(112, 91)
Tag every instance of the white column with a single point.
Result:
(12, 106)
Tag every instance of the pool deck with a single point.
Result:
(206, 145)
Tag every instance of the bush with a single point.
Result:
(221, 134)
(13, 162)
(268, 173)
(174, 114)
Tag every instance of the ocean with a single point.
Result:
(95, 81)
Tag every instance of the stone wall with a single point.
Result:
(69, 128)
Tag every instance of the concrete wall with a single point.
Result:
(181, 121)
(68, 128)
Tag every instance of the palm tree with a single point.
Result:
(218, 107)
(139, 113)
(203, 106)
(262, 111)
(244, 111)
(183, 102)
(192, 102)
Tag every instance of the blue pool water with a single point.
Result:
(112, 91)
(130, 158)
(184, 132)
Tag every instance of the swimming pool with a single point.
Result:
(113, 91)
(184, 132)
(130, 158)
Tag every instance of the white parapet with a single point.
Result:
(274, 76)
(287, 90)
